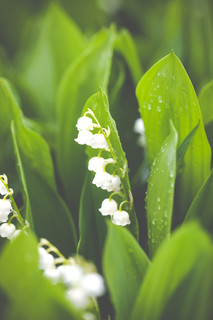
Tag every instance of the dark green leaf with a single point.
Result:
(31, 296)
(160, 192)
(125, 265)
(81, 80)
(182, 269)
(165, 92)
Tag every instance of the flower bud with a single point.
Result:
(5, 209)
(99, 141)
(84, 123)
(108, 207)
(6, 230)
(121, 218)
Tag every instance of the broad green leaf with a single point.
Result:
(50, 216)
(99, 105)
(206, 102)
(160, 192)
(201, 207)
(30, 295)
(126, 46)
(125, 265)
(92, 226)
(177, 271)
(81, 80)
(165, 92)
(56, 44)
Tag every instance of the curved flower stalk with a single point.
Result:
(111, 182)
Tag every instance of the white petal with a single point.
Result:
(3, 189)
(99, 141)
(96, 164)
(78, 297)
(15, 234)
(46, 260)
(83, 123)
(102, 179)
(6, 230)
(84, 137)
(5, 209)
(108, 207)
(121, 218)
(52, 274)
(115, 183)
(93, 283)
(139, 126)
(70, 275)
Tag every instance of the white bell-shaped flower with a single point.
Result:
(108, 207)
(52, 274)
(84, 123)
(46, 260)
(84, 137)
(96, 164)
(78, 297)
(3, 189)
(99, 141)
(15, 234)
(102, 180)
(5, 209)
(70, 275)
(121, 218)
(93, 284)
(6, 230)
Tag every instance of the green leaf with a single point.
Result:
(41, 63)
(165, 92)
(30, 295)
(92, 226)
(81, 80)
(50, 216)
(99, 104)
(126, 46)
(180, 266)
(201, 207)
(206, 102)
(125, 265)
(160, 192)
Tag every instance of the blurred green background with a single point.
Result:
(157, 26)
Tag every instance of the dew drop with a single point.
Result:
(160, 100)
(158, 109)
(173, 77)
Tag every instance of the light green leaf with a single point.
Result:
(92, 226)
(165, 92)
(56, 44)
(30, 295)
(99, 104)
(125, 265)
(126, 46)
(81, 80)
(182, 268)
(160, 192)
(206, 102)
(201, 207)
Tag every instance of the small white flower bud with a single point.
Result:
(84, 123)
(78, 297)
(93, 284)
(6, 230)
(139, 126)
(52, 274)
(99, 141)
(3, 189)
(96, 164)
(70, 275)
(108, 207)
(121, 218)
(46, 260)
(84, 137)
(5, 209)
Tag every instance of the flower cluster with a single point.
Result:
(140, 129)
(102, 179)
(80, 278)
(7, 229)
